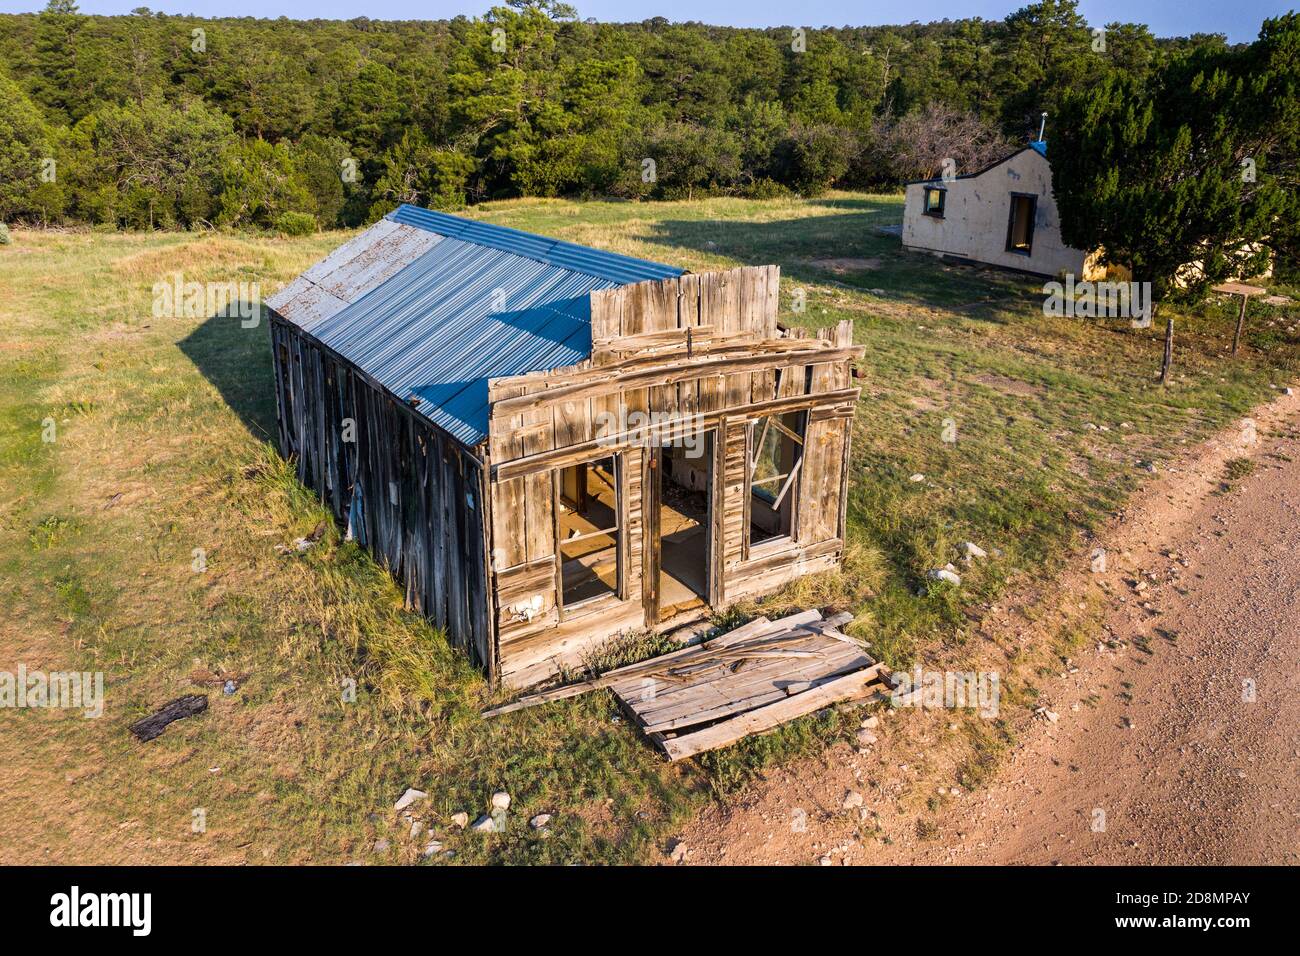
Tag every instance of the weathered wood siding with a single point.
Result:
(705, 345)
(412, 495)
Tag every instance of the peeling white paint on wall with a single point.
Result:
(976, 215)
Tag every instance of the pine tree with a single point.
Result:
(57, 83)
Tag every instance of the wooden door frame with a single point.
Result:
(651, 493)
(1011, 223)
(652, 539)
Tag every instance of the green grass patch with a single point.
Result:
(1027, 431)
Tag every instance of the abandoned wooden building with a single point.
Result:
(549, 444)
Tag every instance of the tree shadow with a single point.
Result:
(237, 360)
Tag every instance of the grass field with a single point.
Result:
(161, 431)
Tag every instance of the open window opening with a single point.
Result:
(1020, 227)
(587, 521)
(776, 457)
(934, 200)
(686, 480)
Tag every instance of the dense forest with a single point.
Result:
(153, 121)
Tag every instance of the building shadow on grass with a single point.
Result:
(237, 361)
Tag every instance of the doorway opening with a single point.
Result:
(1020, 225)
(685, 526)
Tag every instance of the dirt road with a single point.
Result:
(1173, 738)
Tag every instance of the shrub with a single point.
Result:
(296, 223)
(4, 235)
(813, 156)
(766, 189)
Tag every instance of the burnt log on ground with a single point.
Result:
(147, 728)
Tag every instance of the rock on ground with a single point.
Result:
(408, 798)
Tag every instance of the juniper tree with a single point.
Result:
(1184, 178)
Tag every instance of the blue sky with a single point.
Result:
(1239, 19)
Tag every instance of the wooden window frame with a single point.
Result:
(1011, 224)
(619, 593)
(792, 481)
(936, 213)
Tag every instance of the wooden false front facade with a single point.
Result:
(697, 456)
(692, 392)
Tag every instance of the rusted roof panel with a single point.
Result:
(362, 263)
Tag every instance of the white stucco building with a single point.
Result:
(1004, 215)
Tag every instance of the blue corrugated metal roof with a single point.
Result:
(484, 302)
(567, 255)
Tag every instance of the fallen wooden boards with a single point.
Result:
(765, 718)
(746, 681)
(735, 680)
(753, 628)
(749, 684)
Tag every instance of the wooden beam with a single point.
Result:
(604, 378)
(729, 346)
(662, 434)
(1241, 322)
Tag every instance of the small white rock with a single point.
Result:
(408, 798)
(943, 574)
(484, 824)
(918, 477)
(970, 549)
(501, 800)
(679, 851)
(539, 821)
(852, 800)
(416, 829)
(433, 847)
(460, 820)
